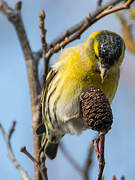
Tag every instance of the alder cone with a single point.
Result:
(96, 110)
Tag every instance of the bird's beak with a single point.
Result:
(103, 69)
(103, 72)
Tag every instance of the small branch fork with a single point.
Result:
(39, 165)
(7, 139)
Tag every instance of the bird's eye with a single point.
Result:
(96, 56)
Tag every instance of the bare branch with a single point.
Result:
(32, 59)
(110, 10)
(37, 164)
(101, 157)
(7, 138)
(75, 32)
(42, 17)
(78, 26)
(12, 129)
(24, 150)
(84, 25)
(100, 153)
(14, 16)
(44, 43)
(74, 29)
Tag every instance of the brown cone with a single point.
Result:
(96, 110)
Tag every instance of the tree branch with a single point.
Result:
(75, 31)
(32, 59)
(78, 26)
(7, 139)
(43, 171)
(44, 43)
(100, 140)
(85, 24)
(14, 16)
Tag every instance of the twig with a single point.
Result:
(100, 153)
(75, 32)
(101, 157)
(14, 16)
(110, 10)
(76, 27)
(37, 164)
(87, 23)
(42, 17)
(24, 150)
(12, 129)
(7, 139)
(44, 43)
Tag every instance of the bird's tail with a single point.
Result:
(51, 149)
(51, 143)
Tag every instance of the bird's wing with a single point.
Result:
(49, 78)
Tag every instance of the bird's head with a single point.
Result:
(107, 51)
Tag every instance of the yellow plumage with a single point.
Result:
(96, 62)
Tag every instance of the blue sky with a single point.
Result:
(15, 98)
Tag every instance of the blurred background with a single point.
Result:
(15, 97)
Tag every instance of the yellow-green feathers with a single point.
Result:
(96, 62)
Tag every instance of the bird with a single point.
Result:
(95, 62)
